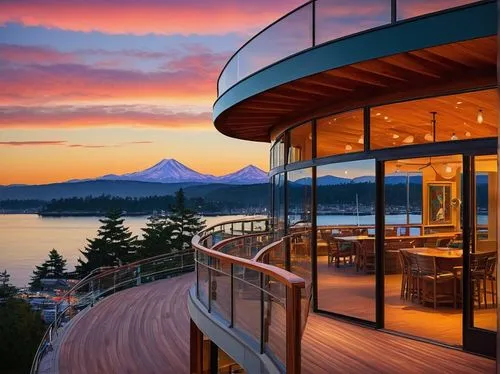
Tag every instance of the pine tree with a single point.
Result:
(114, 245)
(56, 265)
(157, 237)
(6, 289)
(54, 268)
(185, 223)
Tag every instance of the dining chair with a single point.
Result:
(429, 273)
(491, 267)
(368, 253)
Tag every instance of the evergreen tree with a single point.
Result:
(185, 223)
(157, 237)
(21, 330)
(6, 289)
(53, 268)
(56, 265)
(114, 245)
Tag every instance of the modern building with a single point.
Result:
(383, 120)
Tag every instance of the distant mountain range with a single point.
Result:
(330, 180)
(172, 171)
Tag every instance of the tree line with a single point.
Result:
(115, 245)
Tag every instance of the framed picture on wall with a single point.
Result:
(439, 196)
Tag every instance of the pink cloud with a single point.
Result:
(27, 80)
(144, 17)
(100, 116)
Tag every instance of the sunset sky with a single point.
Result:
(95, 87)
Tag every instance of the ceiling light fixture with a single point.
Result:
(395, 136)
(348, 147)
(428, 137)
(480, 116)
(448, 169)
(361, 140)
(468, 134)
(454, 136)
(409, 139)
(310, 136)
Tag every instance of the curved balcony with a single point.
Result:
(98, 285)
(317, 22)
(249, 282)
(354, 56)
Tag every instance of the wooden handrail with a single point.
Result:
(280, 275)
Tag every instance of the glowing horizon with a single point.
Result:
(84, 94)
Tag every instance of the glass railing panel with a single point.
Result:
(202, 278)
(413, 8)
(338, 18)
(289, 35)
(221, 291)
(247, 304)
(275, 320)
(229, 76)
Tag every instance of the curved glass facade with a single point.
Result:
(388, 197)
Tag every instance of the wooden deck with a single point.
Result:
(140, 330)
(146, 330)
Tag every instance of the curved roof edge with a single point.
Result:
(450, 26)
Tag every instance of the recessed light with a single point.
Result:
(467, 134)
(459, 102)
(409, 139)
(348, 147)
(395, 136)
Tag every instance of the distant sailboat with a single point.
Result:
(357, 209)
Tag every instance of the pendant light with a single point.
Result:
(480, 116)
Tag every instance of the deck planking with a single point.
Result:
(146, 330)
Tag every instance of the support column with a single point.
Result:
(196, 349)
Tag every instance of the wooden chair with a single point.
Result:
(478, 275)
(429, 273)
(368, 253)
(491, 266)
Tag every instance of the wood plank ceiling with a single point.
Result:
(426, 72)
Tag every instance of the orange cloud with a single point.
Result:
(144, 17)
(33, 143)
(100, 116)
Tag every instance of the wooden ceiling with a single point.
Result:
(430, 71)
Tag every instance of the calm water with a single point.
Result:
(26, 239)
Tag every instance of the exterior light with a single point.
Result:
(348, 147)
(409, 139)
(480, 117)
(428, 137)
(448, 169)
(467, 134)
(395, 136)
(454, 137)
(361, 140)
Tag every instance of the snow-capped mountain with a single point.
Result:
(248, 175)
(172, 171)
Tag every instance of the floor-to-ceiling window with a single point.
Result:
(422, 264)
(346, 195)
(483, 258)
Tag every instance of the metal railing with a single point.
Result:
(106, 281)
(317, 22)
(263, 303)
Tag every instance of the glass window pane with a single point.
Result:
(279, 204)
(422, 261)
(300, 148)
(445, 118)
(484, 256)
(413, 8)
(340, 133)
(346, 195)
(337, 18)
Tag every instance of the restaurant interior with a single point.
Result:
(439, 227)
